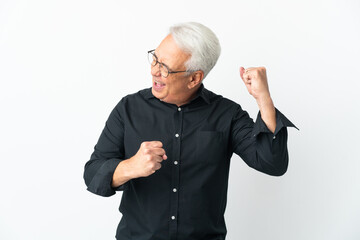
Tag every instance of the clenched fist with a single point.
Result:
(148, 159)
(255, 81)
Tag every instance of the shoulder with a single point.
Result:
(215, 98)
(134, 98)
(143, 93)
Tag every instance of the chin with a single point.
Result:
(157, 94)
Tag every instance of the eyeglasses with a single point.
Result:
(164, 70)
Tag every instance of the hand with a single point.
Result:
(148, 159)
(255, 81)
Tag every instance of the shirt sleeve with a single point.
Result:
(107, 154)
(257, 145)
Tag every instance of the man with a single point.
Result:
(168, 147)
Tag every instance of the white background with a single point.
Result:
(64, 65)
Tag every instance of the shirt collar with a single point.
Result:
(202, 92)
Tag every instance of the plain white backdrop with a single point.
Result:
(64, 65)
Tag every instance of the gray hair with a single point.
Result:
(200, 42)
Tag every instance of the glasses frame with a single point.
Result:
(152, 52)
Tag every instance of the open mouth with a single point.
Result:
(158, 85)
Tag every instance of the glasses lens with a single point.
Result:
(152, 58)
(164, 71)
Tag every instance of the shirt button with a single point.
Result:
(176, 135)
(175, 162)
(179, 109)
(274, 137)
(173, 217)
(174, 190)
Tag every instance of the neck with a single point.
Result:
(193, 94)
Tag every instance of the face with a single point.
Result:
(177, 88)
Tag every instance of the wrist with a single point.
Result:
(122, 174)
(264, 101)
(127, 170)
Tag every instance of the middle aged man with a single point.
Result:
(168, 147)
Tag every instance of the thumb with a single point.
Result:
(242, 70)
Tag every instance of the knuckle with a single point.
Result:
(150, 171)
(159, 143)
(153, 165)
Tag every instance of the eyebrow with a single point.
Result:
(162, 62)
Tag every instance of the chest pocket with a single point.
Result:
(210, 147)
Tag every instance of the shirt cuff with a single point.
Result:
(281, 121)
(101, 182)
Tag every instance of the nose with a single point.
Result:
(155, 71)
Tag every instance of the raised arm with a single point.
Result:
(263, 144)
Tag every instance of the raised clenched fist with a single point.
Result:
(255, 80)
(148, 159)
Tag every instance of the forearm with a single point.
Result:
(272, 154)
(267, 111)
(122, 174)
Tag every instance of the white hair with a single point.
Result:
(200, 42)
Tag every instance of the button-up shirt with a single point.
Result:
(186, 198)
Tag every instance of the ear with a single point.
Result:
(195, 79)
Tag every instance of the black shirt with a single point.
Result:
(186, 198)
